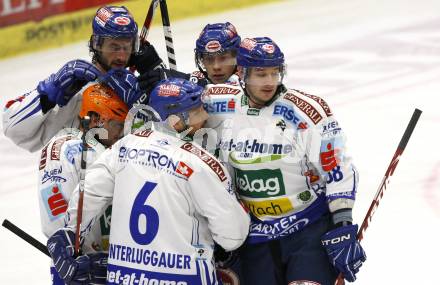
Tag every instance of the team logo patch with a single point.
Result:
(207, 159)
(269, 48)
(122, 20)
(248, 44)
(213, 46)
(169, 90)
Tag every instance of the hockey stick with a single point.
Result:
(82, 176)
(25, 236)
(147, 24)
(148, 20)
(383, 185)
(167, 34)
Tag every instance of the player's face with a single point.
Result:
(115, 52)
(219, 66)
(262, 83)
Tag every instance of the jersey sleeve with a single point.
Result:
(28, 127)
(58, 177)
(98, 192)
(328, 152)
(214, 198)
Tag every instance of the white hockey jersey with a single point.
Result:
(288, 159)
(58, 179)
(28, 127)
(171, 201)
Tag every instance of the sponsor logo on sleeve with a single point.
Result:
(223, 90)
(144, 133)
(54, 201)
(209, 160)
(56, 147)
(72, 151)
(320, 101)
(43, 158)
(304, 106)
(328, 159)
(53, 175)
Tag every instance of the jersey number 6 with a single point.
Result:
(139, 209)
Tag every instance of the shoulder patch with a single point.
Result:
(197, 74)
(319, 100)
(56, 147)
(223, 90)
(144, 133)
(304, 106)
(206, 158)
(43, 158)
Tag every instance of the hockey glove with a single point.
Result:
(149, 80)
(124, 83)
(345, 252)
(223, 258)
(146, 59)
(61, 86)
(84, 269)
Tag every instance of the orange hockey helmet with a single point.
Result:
(104, 101)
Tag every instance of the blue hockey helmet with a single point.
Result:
(259, 52)
(114, 22)
(214, 39)
(217, 38)
(175, 96)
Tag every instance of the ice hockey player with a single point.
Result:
(290, 166)
(60, 164)
(32, 119)
(171, 201)
(215, 53)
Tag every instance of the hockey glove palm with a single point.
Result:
(81, 270)
(344, 250)
(61, 86)
(125, 85)
(146, 59)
